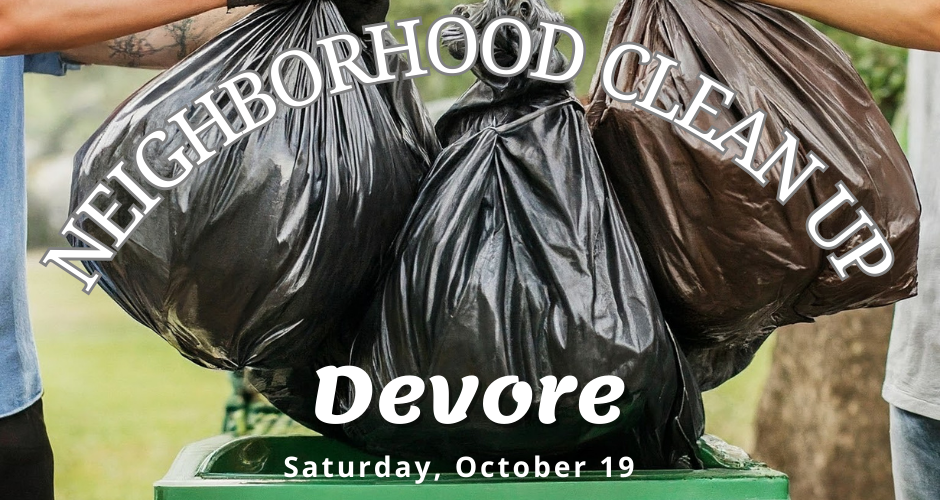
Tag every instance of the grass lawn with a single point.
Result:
(120, 403)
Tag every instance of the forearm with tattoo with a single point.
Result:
(177, 41)
(160, 47)
(182, 32)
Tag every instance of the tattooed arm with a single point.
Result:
(160, 47)
(32, 26)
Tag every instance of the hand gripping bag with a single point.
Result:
(257, 256)
(516, 261)
(728, 261)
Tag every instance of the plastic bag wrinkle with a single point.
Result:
(258, 257)
(729, 263)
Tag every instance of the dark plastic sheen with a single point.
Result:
(260, 255)
(516, 261)
(729, 262)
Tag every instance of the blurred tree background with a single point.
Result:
(120, 403)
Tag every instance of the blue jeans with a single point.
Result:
(915, 455)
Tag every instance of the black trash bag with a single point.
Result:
(516, 260)
(255, 259)
(730, 263)
(359, 13)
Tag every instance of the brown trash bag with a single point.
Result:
(728, 261)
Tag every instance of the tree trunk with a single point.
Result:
(821, 419)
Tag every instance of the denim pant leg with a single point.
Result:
(915, 455)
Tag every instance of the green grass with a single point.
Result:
(730, 410)
(120, 403)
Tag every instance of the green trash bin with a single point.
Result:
(252, 468)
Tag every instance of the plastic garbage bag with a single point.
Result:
(258, 256)
(516, 261)
(359, 13)
(728, 261)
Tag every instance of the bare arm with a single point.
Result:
(906, 23)
(160, 47)
(30, 26)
